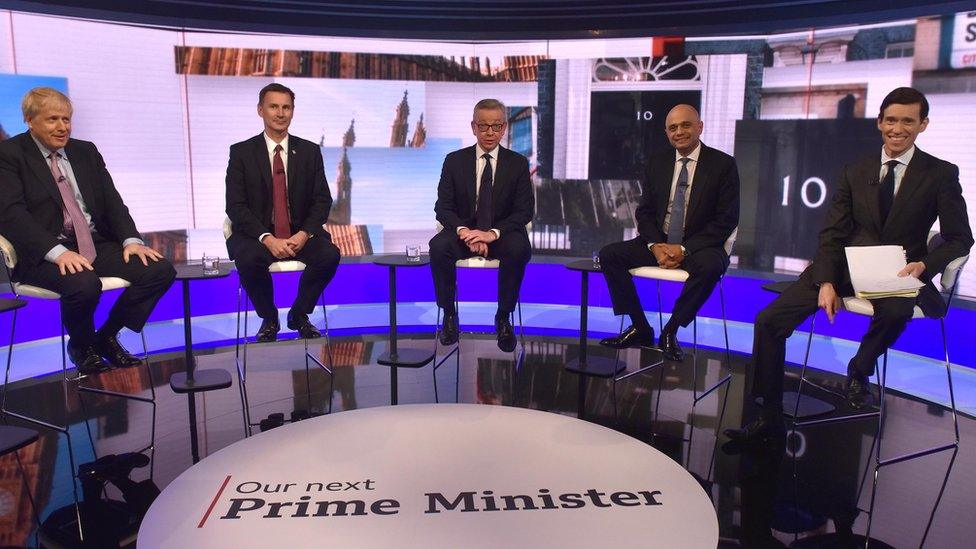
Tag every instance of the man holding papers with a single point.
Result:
(889, 199)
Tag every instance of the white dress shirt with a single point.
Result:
(903, 160)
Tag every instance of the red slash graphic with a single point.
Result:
(214, 502)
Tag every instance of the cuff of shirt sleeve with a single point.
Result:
(128, 241)
(261, 237)
(498, 234)
(460, 228)
(54, 252)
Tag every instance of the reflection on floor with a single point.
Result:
(806, 494)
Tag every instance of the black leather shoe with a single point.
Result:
(505, 333)
(88, 360)
(763, 429)
(857, 389)
(629, 338)
(449, 329)
(115, 353)
(301, 324)
(669, 346)
(268, 330)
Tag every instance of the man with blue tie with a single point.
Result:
(889, 199)
(689, 207)
(60, 210)
(486, 218)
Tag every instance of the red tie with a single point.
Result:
(282, 225)
(74, 220)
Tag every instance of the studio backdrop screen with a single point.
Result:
(164, 106)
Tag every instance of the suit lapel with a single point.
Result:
(698, 181)
(910, 183)
(869, 178)
(664, 188)
(471, 167)
(498, 179)
(264, 164)
(293, 158)
(83, 177)
(41, 169)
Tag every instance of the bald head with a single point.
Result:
(684, 127)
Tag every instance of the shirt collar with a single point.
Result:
(693, 155)
(904, 158)
(479, 152)
(271, 144)
(45, 152)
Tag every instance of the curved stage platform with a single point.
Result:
(446, 475)
(806, 494)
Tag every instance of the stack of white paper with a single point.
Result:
(874, 272)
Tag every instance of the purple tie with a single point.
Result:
(74, 219)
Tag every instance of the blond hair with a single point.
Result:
(35, 100)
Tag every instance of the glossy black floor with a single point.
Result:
(807, 494)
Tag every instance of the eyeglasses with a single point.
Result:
(494, 127)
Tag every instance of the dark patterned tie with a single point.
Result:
(483, 213)
(676, 228)
(74, 219)
(886, 192)
(282, 225)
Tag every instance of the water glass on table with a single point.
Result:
(211, 264)
(413, 252)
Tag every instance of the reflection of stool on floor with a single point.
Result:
(240, 349)
(395, 356)
(13, 438)
(595, 366)
(476, 262)
(27, 290)
(948, 282)
(681, 275)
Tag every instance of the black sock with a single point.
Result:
(450, 310)
(639, 322)
(110, 329)
(499, 315)
(670, 327)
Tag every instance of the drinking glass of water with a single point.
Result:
(211, 265)
(413, 252)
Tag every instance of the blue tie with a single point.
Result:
(676, 229)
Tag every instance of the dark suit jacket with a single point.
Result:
(713, 204)
(249, 188)
(512, 198)
(31, 205)
(929, 189)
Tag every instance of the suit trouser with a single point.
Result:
(705, 268)
(512, 250)
(252, 258)
(80, 292)
(776, 323)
